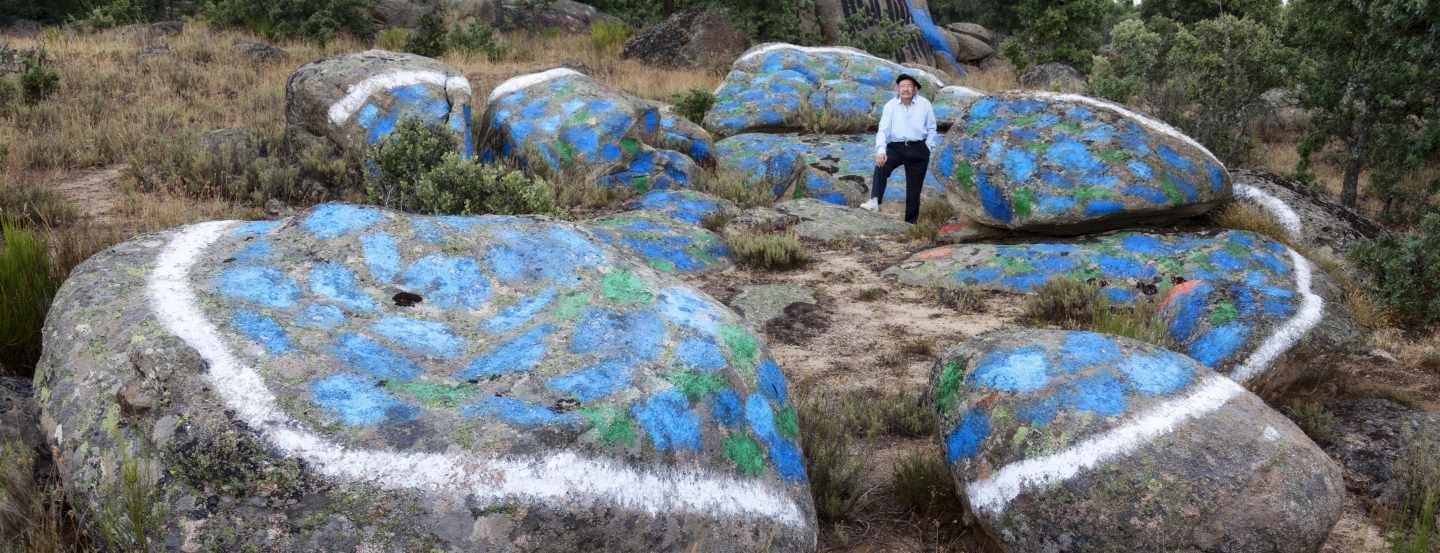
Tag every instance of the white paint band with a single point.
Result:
(523, 82)
(1312, 307)
(991, 495)
(1277, 208)
(562, 477)
(355, 96)
(1149, 122)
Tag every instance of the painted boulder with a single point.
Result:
(1071, 164)
(350, 102)
(564, 122)
(685, 205)
(832, 168)
(1276, 301)
(778, 86)
(359, 379)
(664, 244)
(1064, 441)
(933, 45)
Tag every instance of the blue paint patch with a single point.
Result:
(327, 221)
(1145, 245)
(258, 251)
(320, 316)
(1019, 165)
(1217, 177)
(1084, 349)
(635, 335)
(256, 228)
(725, 408)
(265, 286)
(1147, 193)
(447, 282)
(1100, 394)
(979, 275)
(356, 401)
(772, 381)
(518, 412)
(1039, 412)
(1226, 261)
(667, 418)
(424, 337)
(783, 454)
(1019, 370)
(335, 282)
(520, 354)
(1190, 306)
(260, 329)
(1055, 205)
(1160, 373)
(368, 355)
(382, 255)
(596, 381)
(1140, 169)
(1218, 344)
(1174, 158)
(1072, 155)
(964, 441)
(520, 312)
(684, 307)
(697, 353)
(1026, 282)
(992, 199)
(1124, 267)
(1097, 208)
(1118, 295)
(552, 255)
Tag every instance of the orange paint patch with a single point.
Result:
(953, 227)
(1182, 288)
(934, 253)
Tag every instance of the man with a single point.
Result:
(906, 134)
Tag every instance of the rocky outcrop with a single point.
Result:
(1310, 217)
(1054, 77)
(697, 37)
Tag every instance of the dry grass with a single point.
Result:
(33, 514)
(1247, 216)
(997, 78)
(531, 53)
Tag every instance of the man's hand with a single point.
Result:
(880, 159)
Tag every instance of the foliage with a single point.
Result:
(1405, 272)
(36, 205)
(885, 39)
(965, 299)
(463, 187)
(1078, 305)
(47, 11)
(1419, 470)
(735, 187)
(925, 487)
(997, 15)
(608, 37)
(1065, 31)
(393, 39)
(777, 251)
(403, 157)
(790, 21)
(428, 39)
(1129, 63)
(477, 38)
(1314, 419)
(1369, 73)
(1189, 11)
(317, 21)
(37, 81)
(692, 104)
(830, 460)
(26, 287)
(9, 92)
(933, 215)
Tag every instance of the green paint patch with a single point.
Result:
(1014, 265)
(1023, 120)
(662, 265)
(1114, 154)
(1024, 201)
(742, 344)
(976, 126)
(1171, 191)
(567, 152)
(696, 384)
(745, 453)
(1084, 274)
(964, 175)
(1034, 146)
(641, 183)
(572, 305)
(432, 394)
(1236, 249)
(1069, 126)
(1170, 266)
(1087, 193)
(626, 288)
(1019, 438)
(629, 145)
(950, 377)
(612, 426)
(1224, 313)
(787, 423)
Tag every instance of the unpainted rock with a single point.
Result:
(360, 379)
(1067, 441)
(19, 419)
(258, 52)
(1319, 223)
(697, 37)
(826, 222)
(1054, 77)
(1377, 440)
(761, 303)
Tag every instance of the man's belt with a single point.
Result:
(908, 142)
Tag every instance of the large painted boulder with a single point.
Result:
(933, 45)
(1280, 301)
(359, 379)
(685, 205)
(1065, 441)
(833, 168)
(665, 244)
(1072, 164)
(350, 102)
(564, 122)
(778, 87)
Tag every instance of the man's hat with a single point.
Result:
(907, 77)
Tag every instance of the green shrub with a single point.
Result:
(463, 187)
(393, 39)
(1405, 272)
(830, 460)
(9, 92)
(26, 288)
(924, 487)
(477, 38)
(1065, 31)
(966, 299)
(314, 20)
(429, 38)
(766, 251)
(37, 205)
(117, 12)
(933, 215)
(1220, 67)
(692, 104)
(885, 39)
(37, 81)
(1419, 469)
(734, 187)
(403, 157)
(1314, 419)
(609, 37)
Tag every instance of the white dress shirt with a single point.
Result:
(901, 123)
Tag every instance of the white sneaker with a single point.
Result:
(870, 204)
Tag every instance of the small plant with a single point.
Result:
(716, 221)
(692, 104)
(966, 299)
(609, 37)
(735, 188)
(1246, 216)
(35, 205)
(9, 93)
(870, 294)
(38, 81)
(393, 39)
(403, 157)
(463, 187)
(1314, 419)
(1405, 272)
(1136, 321)
(429, 38)
(26, 288)
(132, 514)
(1419, 469)
(766, 251)
(477, 38)
(830, 461)
(924, 487)
(933, 214)
(1061, 302)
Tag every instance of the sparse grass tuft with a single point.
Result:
(33, 515)
(26, 288)
(966, 299)
(692, 104)
(1080, 306)
(735, 188)
(830, 460)
(1419, 468)
(35, 205)
(815, 121)
(924, 486)
(1314, 419)
(609, 38)
(773, 252)
(870, 294)
(1240, 215)
(933, 214)
(393, 39)
(716, 221)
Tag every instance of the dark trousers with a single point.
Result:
(915, 156)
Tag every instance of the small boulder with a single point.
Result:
(827, 222)
(1054, 77)
(687, 206)
(1065, 441)
(563, 121)
(566, 15)
(361, 379)
(350, 102)
(1070, 164)
(971, 49)
(663, 243)
(258, 52)
(973, 30)
(762, 220)
(697, 37)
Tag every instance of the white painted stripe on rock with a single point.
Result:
(990, 496)
(526, 81)
(1149, 122)
(1312, 307)
(767, 48)
(1277, 208)
(558, 478)
(355, 96)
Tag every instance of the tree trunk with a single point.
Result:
(1359, 145)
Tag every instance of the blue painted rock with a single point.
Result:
(564, 122)
(352, 101)
(833, 168)
(934, 45)
(778, 86)
(1067, 163)
(1129, 266)
(1065, 441)
(665, 244)
(354, 378)
(685, 205)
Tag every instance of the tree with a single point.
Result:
(1221, 67)
(1065, 31)
(1369, 74)
(1192, 11)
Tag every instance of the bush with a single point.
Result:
(766, 251)
(1405, 272)
(403, 157)
(924, 486)
(1221, 67)
(1077, 305)
(885, 39)
(933, 215)
(477, 38)
(967, 299)
(37, 81)
(36, 205)
(463, 187)
(830, 460)
(393, 39)
(1418, 468)
(609, 37)
(9, 92)
(314, 20)
(1065, 31)
(692, 104)
(26, 288)
(429, 38)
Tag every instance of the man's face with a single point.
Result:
(906, 89)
